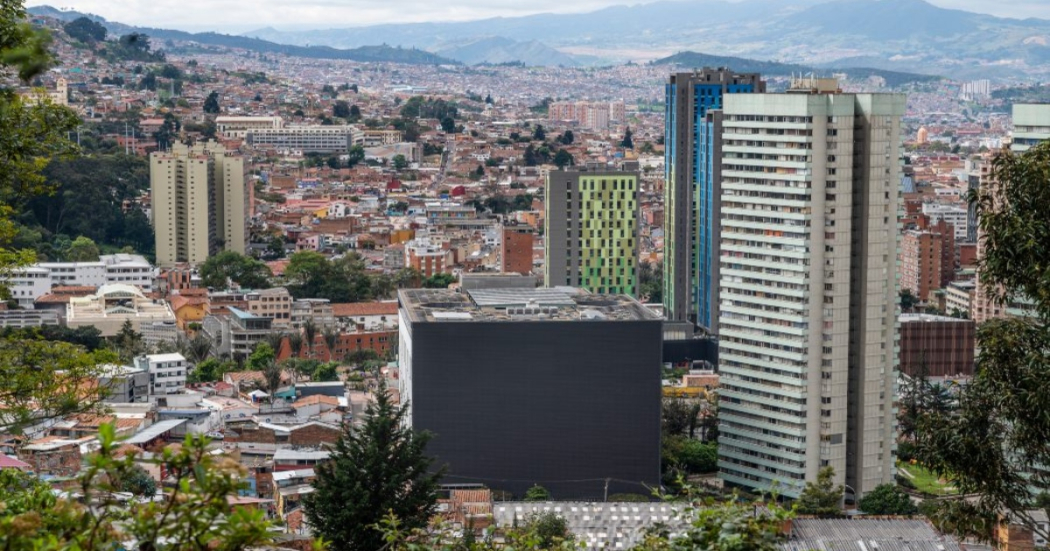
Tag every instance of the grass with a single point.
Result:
(925, 481)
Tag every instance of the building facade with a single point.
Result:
(578, 412)
(807, 324)
(307, 139)
(515, 248)
(937, 346)
(691, 174)
(591, 230)
(927, 259)
(200, 202)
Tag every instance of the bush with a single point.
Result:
(904, 482)
(905, 451)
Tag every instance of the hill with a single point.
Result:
(773, 68)
(496, 50)
(382, 53)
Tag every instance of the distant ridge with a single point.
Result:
(744, 65)
(382, 53)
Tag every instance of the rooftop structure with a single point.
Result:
(520, 304)
(114, 304)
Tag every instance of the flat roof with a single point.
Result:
(519, 304)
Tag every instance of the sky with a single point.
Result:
(245, 15)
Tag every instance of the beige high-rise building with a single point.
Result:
(808, 302)
(200, 203)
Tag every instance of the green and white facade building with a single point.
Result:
(591, 230)
(807, 321)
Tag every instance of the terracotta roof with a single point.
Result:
(62, 294)
(316, 399)
(344, 310)
(180, 301)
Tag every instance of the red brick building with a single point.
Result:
(516, 249)
(946, 345)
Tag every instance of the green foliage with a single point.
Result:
(138, 482)
(310, 274)
(537, 493)
(132, 47)
(400, 162)
(908, 300)
(428, 108)
(821, 497)
(210, 370)
(567, 138)
(211, 103)
(88, 337)
(341, 109)
(629, 498)
(85, 30)
(681, 455)
(89, 198)
(563, 159)
(42, 380)
(628, 139)
(887, 499)
(549, 527)
(651, 281)
(448, 125)
(994, 443)
(83, 249)
(439, 281)
(195, 513)
(243, 270)
(377, 470)
(262, 356)
(538, 133)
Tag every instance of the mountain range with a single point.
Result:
(901, 35)
(909, 36)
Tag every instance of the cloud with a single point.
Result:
(242, 15)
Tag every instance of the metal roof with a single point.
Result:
(153, 431)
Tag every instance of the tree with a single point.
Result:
(138, 482)
(309, 336)
(887, 499)
(567, 138)
(355, 113)
(539, 134)
(822, 497)
(488, 99)
(85, 30)
(238, 268)
(993, 443)
(651, 281)
(83, 249)
(32, 134)
(197, 349)
(537, 493)
(439, 281)
(908, 300)
(448, 125)
(563, 159)
(400, 162)
(628, 140)
(129, 343)
(43, 380)
(262, 356)
(549, 527)
(195, 513)
(211, 103)
(376, 470)
(341, 109)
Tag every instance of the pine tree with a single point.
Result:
(374, 471)
(628, 139)
(823, 497)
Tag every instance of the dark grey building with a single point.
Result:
(591, 230)
(556, 387)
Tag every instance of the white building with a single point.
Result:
(307, 139)
(239, 127)
(115, 304)
(808, 318)
(167, 372)
(33, 282)
(953, 214)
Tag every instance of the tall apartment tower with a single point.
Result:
(591, 230)
(692, 151)
(200, 203)
(808, 314)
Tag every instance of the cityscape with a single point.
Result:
(685, 274)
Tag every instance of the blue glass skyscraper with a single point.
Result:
(692, 153)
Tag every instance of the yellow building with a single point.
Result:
(199, 202)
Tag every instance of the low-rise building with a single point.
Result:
(167, 372)
(115, 304)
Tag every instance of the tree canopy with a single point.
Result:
(243, 270)
(822, 497)
(887, 499)
(211, 103)
(994, 443)
(85, 30)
